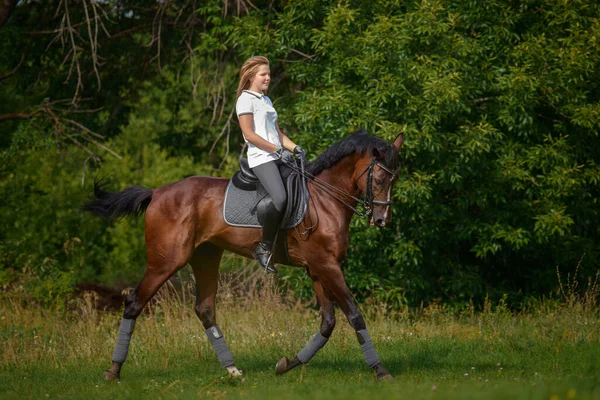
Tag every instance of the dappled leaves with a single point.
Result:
(499, 102)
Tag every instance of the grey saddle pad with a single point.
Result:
(239, 208)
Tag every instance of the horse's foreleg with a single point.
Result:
(335, 284)
(205, 263)
(320, 339)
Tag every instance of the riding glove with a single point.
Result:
(299, 151)
(279, 152)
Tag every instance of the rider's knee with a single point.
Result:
(280, 201)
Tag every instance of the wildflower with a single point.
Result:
(433, 388)
(472, 368)
(466, 374)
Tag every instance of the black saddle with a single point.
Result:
(245, 179)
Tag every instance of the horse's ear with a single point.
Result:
(398, 142)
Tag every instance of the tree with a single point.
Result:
(499, 101)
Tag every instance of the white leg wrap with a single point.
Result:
(218, 343)
(122, 347)
(371, 357)
(309, 351)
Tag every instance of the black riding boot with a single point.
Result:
(264, 251)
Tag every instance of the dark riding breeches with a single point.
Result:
(270, 178)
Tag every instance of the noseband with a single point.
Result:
(369, 200)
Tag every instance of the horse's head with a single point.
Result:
(379, 173)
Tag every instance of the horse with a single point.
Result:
(182, 227)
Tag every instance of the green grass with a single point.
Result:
(550, 352)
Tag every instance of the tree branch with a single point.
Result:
(11, 116)
(11, 73)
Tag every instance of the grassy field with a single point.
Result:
(549, 352)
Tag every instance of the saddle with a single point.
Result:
(246, 200)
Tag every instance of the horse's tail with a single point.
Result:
(130, 202)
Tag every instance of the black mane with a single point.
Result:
(358, 142)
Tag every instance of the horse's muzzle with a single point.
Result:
(380, 222)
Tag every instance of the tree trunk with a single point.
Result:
(6, 9)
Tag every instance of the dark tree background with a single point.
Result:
(499, 100)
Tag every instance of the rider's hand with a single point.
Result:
(288, 158)
(279, 152)
(299, 151)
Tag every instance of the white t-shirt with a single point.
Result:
(265, 117)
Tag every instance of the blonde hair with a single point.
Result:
(249, 71)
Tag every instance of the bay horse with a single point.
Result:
(183, 227)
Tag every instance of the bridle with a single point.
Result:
(368, 202)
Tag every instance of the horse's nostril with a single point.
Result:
(380, 222)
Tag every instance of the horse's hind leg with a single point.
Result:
(320, 339)
(205, 264)
(162, 264)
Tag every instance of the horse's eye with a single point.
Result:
(378, 181)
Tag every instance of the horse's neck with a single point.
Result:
(342, 175)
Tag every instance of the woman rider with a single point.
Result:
(258, 121)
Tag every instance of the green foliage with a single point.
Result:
(499, 102)
(496, 190)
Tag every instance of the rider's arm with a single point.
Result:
(247, 126)
(286, 142)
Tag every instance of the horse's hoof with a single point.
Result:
(385, 377)
(282, 366)
(233, 371)
(110, 376)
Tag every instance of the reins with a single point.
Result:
(367, 203)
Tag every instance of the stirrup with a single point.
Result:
(263, 254)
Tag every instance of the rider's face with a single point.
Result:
(260, 82)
